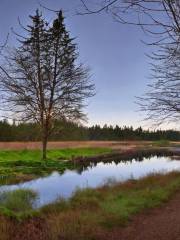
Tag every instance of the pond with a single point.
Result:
(57, 185)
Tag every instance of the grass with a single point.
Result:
(53, 154)
(92, 213)
(17, 165)
(162, 143)
(20, 200)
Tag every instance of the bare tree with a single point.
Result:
(41, 79)
(160, 19)
(162, 100)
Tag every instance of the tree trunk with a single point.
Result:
(44, 147)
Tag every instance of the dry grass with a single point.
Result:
(125, 145)
(73, 225)
(92, 214)
(6, 228)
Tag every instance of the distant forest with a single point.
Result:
(70, 131)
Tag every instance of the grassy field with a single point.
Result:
(88, 214)
(17, 165)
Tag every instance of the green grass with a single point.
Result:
(92, 213)
(17, 165)
(99, 210)
(20, 200)
(121, 199)
(54, 154)
(161, 143)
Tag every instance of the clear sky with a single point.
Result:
(113, 51)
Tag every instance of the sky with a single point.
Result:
(114, 53)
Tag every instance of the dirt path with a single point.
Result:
(162, 223)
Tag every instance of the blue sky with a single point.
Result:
(113, 51)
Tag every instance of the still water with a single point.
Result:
(57, 185)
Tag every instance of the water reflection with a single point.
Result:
(94, 174)
(125, 159)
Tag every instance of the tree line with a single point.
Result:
(65, 130)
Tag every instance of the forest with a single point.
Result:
(66, 130)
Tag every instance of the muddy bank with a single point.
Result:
(128, 155)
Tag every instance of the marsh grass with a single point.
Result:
(161, 143)
(96, 211)
(92, 213)
(20, 200)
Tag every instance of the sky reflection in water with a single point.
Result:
(55, 185)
